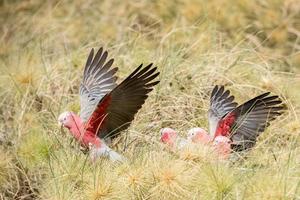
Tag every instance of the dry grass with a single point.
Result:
(249, 46)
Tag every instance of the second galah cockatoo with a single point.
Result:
(107, 108)
(238, 126)
(199, 135)
(172, 139)
(241, 124)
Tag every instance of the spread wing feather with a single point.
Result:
(252, 118)
(98, 80)
(221, 103)
(118, 108)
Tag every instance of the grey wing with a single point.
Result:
(127, 98)
(252, 119)
(98, 80)
(221, 103)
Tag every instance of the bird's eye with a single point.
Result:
(65, 118)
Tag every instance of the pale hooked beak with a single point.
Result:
(60, 123)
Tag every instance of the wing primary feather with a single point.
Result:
(97, 57)
(88, 62)
(213, 93)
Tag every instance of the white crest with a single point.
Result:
(63, 116)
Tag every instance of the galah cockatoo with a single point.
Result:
(241, 125)
(107, 108)
(199, 135)
(172, 139)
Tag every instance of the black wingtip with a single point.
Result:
(150, 85)
(215, 89)
(219, 91)
(91, 54)
(150, 65)
(88, 61)
(110, 62)
(100, 50)
(105, 54)
(264, 95)
(284, 106)
(135, 71)
(222, 88)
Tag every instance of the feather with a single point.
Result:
(98, 80)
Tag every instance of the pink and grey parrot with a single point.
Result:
(199, 135)
(172, 139)
(241, 125)
(106, 107)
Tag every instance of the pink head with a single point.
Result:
(168, 136)
(69, 119)
(222, 145)
(198, 135)
(72, 122)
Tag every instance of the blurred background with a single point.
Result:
(249, 46)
